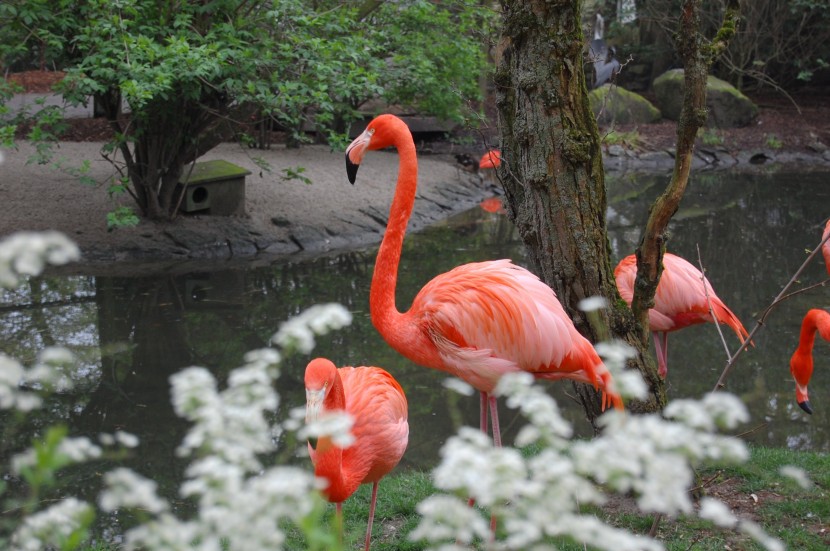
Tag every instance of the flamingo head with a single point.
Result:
(802, 398)
(801, 368)
(382, 132)
(319, 379)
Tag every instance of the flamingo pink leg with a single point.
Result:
(661, 350)
(371, 515)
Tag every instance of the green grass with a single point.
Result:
(784, 509)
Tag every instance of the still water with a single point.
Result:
(131, 333)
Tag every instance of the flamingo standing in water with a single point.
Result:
(825, 249)
(378, 406)
(680, 301)
(801, 363)
(479, 320)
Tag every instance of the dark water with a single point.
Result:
(131, 333)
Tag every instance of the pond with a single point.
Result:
(131, 333)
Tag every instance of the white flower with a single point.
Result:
(126, 439)
(79, 449)
(53, 526)
(127, 490)
(27, 253)
(717, 511)
(298, 332)
(627, 382)
(336, 425)
(798, 475)
(446, 517)
(593, 303)
(459, 386)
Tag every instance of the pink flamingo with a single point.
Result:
(479, 320)
(680, 301)
(825, 249)
(378, 406)
(801, 363)
(491, 159)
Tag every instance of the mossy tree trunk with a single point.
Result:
(553, 176)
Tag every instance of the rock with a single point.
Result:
(612, 104)
(728, 107)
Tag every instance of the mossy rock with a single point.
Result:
(728, 107)
(614, 104)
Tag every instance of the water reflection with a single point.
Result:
(131, 333)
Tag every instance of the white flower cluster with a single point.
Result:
(54, 526)
(298, 332)
(241, 505)
(627, 382)
(334, 424)
(230, 424)
(19, 387)
(537, 498)
(27, 253)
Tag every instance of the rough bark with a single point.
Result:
(552, 172)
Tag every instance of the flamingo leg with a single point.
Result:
(338, 521)
(494, 413)
(483, 425)
(661, 350)
(371, 515)
(483, 413)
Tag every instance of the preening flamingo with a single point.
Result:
(378, 406)
(680, 301)
(825, 249)
(479, 320)
(801, 363)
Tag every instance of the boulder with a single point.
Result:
(728, 107)
(614, 104)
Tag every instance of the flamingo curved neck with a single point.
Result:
(385, 314)
(816, 321)
(329, 460)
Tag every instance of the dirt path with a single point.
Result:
(282, 216)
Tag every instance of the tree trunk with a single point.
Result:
(697, 56)
(553, 176)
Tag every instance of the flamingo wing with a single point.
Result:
(381, 430)
(681, 297)
(825, 248)
(489, 318)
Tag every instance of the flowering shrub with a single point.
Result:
(538, 498)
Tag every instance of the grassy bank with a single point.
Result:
(756, 490)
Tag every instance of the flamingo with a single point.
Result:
(478, 321)
(825, 248)
(801, 363)
(491, 159)
(378, 406)
(489, 162)
(680, 301)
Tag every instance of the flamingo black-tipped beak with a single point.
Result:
(312, 441)
(805, 405)
(351, 169)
